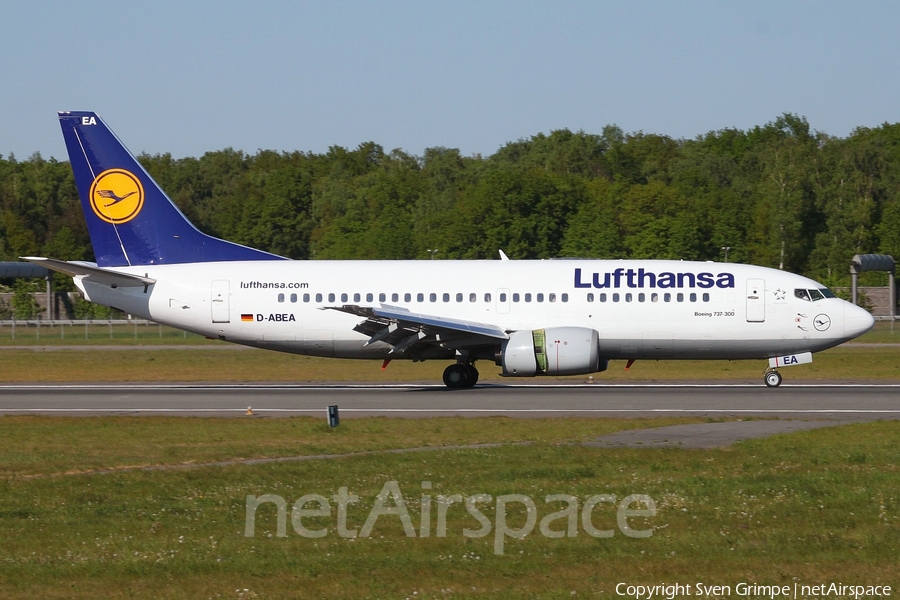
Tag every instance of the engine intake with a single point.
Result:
(553, 351)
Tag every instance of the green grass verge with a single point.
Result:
(846, 363)
(884, 332)
(810, 507)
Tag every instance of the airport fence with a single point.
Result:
(77, 331)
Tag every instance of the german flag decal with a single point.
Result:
(246, 317)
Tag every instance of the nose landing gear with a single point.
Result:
(460, 375)
(772, 379)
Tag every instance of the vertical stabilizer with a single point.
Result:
(130, 219)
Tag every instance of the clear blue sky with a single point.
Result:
(189, 77)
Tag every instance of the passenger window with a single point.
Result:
(432, 297)
(420, 297)
(667, 297)
(344, 297)
(680, 297)
(306, 297)
(331, 297)
(540, 297)
(642, 297)
(706, 296)
(551, 297)
(487, 297)
(654, 297)
(565, 297)
(293, 297)
(502, 297)
(459, 297)
(693, 297)
(590, 297)
(382, 297)
(616, 297)
(281, 297)
(603, 297)
(802, 294)
(318, 297)
(407, 297)
(628, 297)
(527, 297)
(356, 297)
(395, 297)
(370, 297)
(473, 297)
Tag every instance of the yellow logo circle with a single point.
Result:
(117, 196)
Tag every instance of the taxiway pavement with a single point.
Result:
(791, 401)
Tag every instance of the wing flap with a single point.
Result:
(404, 329)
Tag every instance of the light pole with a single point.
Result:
(726, 249)
(432, 252)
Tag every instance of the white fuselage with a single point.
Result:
(641, 309)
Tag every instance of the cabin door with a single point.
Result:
(221, 311)
(756, 301)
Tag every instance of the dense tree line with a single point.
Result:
(779, 195)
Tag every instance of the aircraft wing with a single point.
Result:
(92, 273)
(404, 329)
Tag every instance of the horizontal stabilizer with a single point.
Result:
(92, 273)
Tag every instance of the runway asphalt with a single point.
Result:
(790, 401)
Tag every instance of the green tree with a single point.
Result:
(24, 306)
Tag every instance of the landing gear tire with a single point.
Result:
(472, 375)
(773, 379)
(456, 376)
(460, 376)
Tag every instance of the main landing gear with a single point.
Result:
(460, 375)
(772, 379)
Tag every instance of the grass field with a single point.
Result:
(808, 508)
(118, 507)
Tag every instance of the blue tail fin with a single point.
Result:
(130, 219)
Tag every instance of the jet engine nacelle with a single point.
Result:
(553, 351)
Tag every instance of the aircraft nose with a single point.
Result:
(857, 320)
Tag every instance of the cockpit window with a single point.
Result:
(814, 295)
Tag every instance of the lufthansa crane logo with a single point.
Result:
(822, 322)
(117, 196)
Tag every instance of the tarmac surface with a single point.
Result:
(792, 407)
